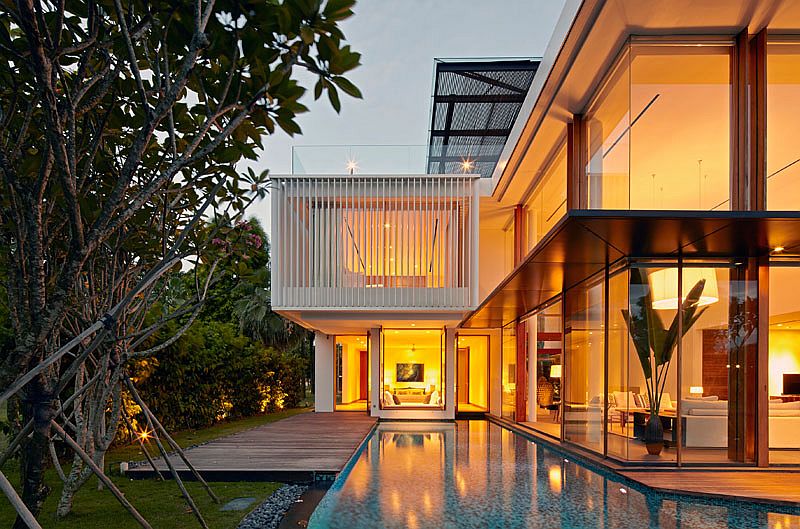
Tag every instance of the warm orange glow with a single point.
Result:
(555, 479)
(144, 435)
(467, 165)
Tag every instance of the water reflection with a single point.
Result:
(476, 474)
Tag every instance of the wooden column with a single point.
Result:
(577, 181)
(739, 122)
(521, 413)
(757, 182)
(761, 410)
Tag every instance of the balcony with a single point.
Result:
(374, 242)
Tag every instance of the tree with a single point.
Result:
(120, 129)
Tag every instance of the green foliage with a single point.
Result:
(653, 342)
(212, 373)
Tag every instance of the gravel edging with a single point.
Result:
(269, 514)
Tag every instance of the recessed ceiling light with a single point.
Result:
(413, 324)
(778, 249)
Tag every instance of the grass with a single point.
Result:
(160, 502)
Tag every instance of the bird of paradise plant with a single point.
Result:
(655, 344)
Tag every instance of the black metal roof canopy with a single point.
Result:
(475, 104)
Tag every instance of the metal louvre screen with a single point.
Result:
(388, 242)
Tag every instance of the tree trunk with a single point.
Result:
(39, 406)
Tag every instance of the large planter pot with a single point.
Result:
(654, 435)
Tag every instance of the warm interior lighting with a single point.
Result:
(555, 371)
(387, 226)
(696, 391)
(778, 249)
(352, 165)
(467, 165)
(664, 286)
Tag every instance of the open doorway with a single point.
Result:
(351, 372)
(472, 373)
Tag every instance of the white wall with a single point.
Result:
(323, 372)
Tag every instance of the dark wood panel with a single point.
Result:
(715, 362)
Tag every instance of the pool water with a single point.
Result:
(478, 474)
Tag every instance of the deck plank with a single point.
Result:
(295, 447)
(759, 485)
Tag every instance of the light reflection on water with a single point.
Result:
(477, 474)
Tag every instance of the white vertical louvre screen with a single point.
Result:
(383, 242)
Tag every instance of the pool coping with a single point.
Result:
(605, 467)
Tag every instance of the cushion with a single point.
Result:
(435, 399)
(784, 405)
(387, 399)
(396, 400)
(427, 398)
(709, 412)
(710, 398)
(784, 413)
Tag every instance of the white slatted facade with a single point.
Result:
(374, 242)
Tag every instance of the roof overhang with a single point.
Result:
(584, 242)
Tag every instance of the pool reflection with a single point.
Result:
(476, 474)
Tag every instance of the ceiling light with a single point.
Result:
(387, 225)
(467, 165)
(351, 166)
(778, 249)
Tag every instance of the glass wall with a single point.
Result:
(658, 91)
(783, 127)
(352, 373)
(584, 400)
(472, 373)
(508, 365)
(784, 364)
(413, 368)
(548, 201)
(718, 356)
(545, 370)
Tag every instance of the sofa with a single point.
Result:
(434, 400)
(705, 423)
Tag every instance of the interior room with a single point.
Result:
(783, 91)
(656, 91)
(472, 373)
(413, 368)
(545, 370)
(352, 373)
(784, 365)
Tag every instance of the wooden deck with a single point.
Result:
(298, 448)
(768, 486)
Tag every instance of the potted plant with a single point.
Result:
(655, 344)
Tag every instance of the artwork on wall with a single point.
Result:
(410, 372)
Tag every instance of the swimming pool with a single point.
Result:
(478, 474)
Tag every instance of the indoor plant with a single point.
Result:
(655, 344)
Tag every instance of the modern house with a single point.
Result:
(590, 241)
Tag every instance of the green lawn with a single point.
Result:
(159, 502)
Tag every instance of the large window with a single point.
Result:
(352, 373)
(545, 370)
(413, 368)
(548, 200)
(472, 373)
(584, 399)
(509, 373)
(784, 364)
(654, 93)
(783, 127)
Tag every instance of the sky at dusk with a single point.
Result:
(399, 40)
